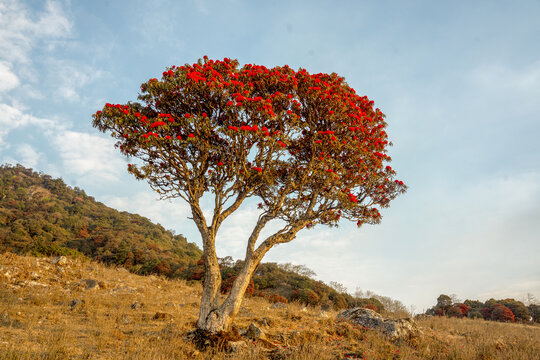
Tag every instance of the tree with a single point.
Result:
(306, 145)
(502, 313)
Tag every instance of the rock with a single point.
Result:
(125, 320)
(266, 322)
(7, 275)
(161, 316)
(237, 345)
(91, 284)
(59, 260)
(123, 290)
(5, 320)
(136, 305)
(75, 303)
(393, 329)
(35, 283)
(255, 332)
(279, 305)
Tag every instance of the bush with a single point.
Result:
(306, 296)
(458, 310)
(502, 313)
(275, 298)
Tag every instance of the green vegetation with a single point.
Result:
(40, 215)
(505, 310)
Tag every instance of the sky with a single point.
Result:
(459, 83)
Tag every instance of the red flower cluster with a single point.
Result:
(295, 109)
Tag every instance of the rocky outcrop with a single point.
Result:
(399, 329)
(255, 332)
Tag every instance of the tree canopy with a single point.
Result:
(306, 144)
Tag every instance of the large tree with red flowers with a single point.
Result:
(305, 145)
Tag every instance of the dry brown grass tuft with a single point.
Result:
(48, 312)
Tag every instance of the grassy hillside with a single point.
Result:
(43, 216)
(85, 310)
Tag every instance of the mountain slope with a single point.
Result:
(42, 215)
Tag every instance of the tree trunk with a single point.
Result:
(211, 285)
(220, 318)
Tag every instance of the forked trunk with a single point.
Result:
(220, 318)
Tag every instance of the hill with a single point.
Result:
(40, 215)
(86, 310)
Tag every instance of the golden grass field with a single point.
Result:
(47, 313)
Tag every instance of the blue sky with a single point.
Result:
(459, 83)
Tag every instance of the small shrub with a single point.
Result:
(371, 307)
(275, 298)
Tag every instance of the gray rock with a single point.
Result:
(255, 332)
(393, 329)
(279, 305)
(59, 260)
(91, 284)
(73, 304)
(136, 305)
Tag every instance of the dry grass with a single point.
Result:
(40, 320)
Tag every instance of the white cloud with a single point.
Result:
(87, 155)
(70, 78)
(29, 156)
(12, 118)
(19, 31)
(496, 76)
(170, 214)
(8, 80)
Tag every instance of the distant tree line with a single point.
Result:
(506, 310)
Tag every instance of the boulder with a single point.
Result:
(59, 260)
(393, 329)
(91, 284)
(255, 332)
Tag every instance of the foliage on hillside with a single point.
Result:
(285, 283)
(42, 215)
(505, 310)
